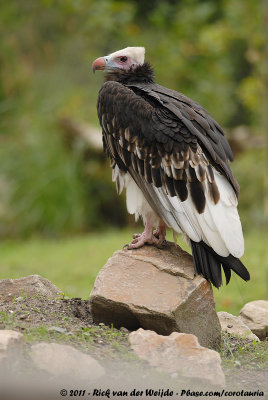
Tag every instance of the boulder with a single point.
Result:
(235, 326)
(178, 353)
(65, 361)
(28, 286)
(255, 315)
(155, 289)
(11, 346)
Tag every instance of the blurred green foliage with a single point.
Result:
(210, 50)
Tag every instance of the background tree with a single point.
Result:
(211, 51)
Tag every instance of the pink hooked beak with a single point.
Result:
(99, 63)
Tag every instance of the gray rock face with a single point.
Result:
(234, 325)
(28, 286)
(255, 315)
(155, 289)
(178, 352)
(65, 361)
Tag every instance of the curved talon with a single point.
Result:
(125, 246)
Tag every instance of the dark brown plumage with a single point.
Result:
(162, 123)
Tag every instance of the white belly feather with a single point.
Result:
(136, 203)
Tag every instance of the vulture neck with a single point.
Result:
(142, 73)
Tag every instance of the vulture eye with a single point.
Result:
(123, 59)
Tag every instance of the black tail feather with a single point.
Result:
(208, 263)
(227, 273)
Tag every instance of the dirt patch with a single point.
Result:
(61, 320)
(39, 311)
(36, 311)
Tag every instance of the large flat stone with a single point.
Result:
(28, 286)
(255, 315)
(65, 361)
(178, 353)
(11, 346)
(155, 289)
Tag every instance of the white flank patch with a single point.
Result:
(136, 202)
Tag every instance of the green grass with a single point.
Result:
(236, 351)
(73, 263)
(84, 337)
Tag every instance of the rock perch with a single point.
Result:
(156, 289)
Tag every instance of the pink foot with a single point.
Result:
(142, 239)
(148, 237)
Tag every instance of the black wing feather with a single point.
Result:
(208, 132)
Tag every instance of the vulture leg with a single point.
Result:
(160, 232)
(148, 236)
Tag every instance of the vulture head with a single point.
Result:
(128, 58)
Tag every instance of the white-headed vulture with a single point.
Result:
(172, 158)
